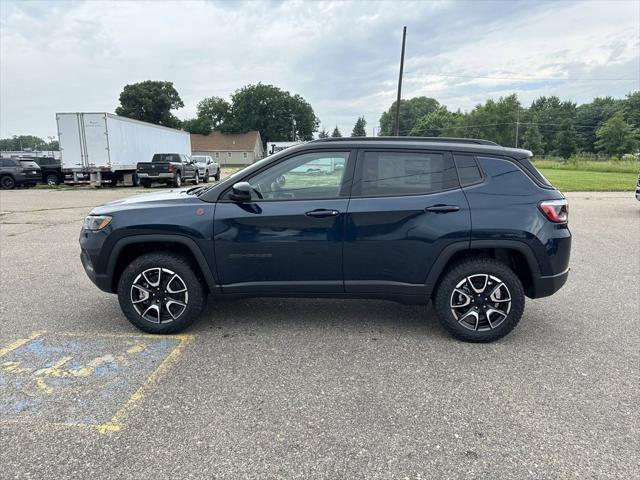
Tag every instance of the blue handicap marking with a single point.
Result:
(77, 379)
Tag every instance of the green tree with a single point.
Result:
(197, 125)
(22, 142)
(631, 108)
(323, 134)
(410, 111)
(215, 110)
(151, 101)
(616, 136)
(591, 116)
(551, 112)
(566, 139)
(435, 124)
(276, 114)
(359, 129)
(532, 139)
(336, 133)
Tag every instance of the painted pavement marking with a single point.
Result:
(81, 380)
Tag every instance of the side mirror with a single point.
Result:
(241, 192)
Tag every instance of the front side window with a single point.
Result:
(306, 176)
(405, 173)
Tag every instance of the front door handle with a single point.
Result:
(322, 213)
(442, 208)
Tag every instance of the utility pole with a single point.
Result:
(404, 38)
(517, 124)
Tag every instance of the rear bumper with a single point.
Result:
(157, 176)
(544, 286)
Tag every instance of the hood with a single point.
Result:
(163, 197)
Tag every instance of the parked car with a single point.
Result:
(638, 188)
(50, 169)
(469, 224)
(14, 173)
(207, 167)
(170, 168)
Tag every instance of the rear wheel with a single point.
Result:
(7, 182)
(217, 176)
(479, 300)
(145, 183)
(161, 293)
(52, 179)
(177, 182)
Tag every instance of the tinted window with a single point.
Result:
(526, 163)
(8, 163)
(166, 157)
(468, 170)
(400, 173)
(306, 176)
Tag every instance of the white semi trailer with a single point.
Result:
(102, 148)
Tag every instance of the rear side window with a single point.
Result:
(406, 173)
(468, 170)
(535, 173)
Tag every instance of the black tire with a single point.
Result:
(145, 183)
(217, 176)
(176, 264)
(52, 179)
(177, 182)
(7, 182)
(206, 177)
(491, 320)
(135, 180)
(196, 179)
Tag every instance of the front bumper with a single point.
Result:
(103, 282)
(543, 286)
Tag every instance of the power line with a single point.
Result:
(565, 79)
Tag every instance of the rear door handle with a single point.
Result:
(442, 208)
(322, 213)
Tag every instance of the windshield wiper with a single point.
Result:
(194, 190)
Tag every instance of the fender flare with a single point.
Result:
(158, 238)
(450, 250)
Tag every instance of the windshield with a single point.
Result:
(200, 159)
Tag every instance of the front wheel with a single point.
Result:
(206, 177)
(196, 180)
(161, 293)
(479, 300)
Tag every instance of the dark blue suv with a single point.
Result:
(468, 223)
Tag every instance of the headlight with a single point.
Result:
(96, 222)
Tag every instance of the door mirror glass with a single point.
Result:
(241, 192)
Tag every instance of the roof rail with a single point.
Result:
(476, 141)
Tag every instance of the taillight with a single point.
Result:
(556, 211)
(170, 168)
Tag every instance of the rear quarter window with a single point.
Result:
(535, 173)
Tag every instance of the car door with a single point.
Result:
(189, 166)
(288, 238)
(405, 207)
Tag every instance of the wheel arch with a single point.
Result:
(516, 255)
(129, 248)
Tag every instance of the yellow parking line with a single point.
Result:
(116, 421)
(18, 343)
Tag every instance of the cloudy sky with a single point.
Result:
(342, 57)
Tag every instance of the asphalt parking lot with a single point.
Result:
(270, 388)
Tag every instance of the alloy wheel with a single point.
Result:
(480, 302)
(159, 295)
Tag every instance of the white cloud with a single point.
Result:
(342, 57)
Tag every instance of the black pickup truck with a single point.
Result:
(169, 168)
